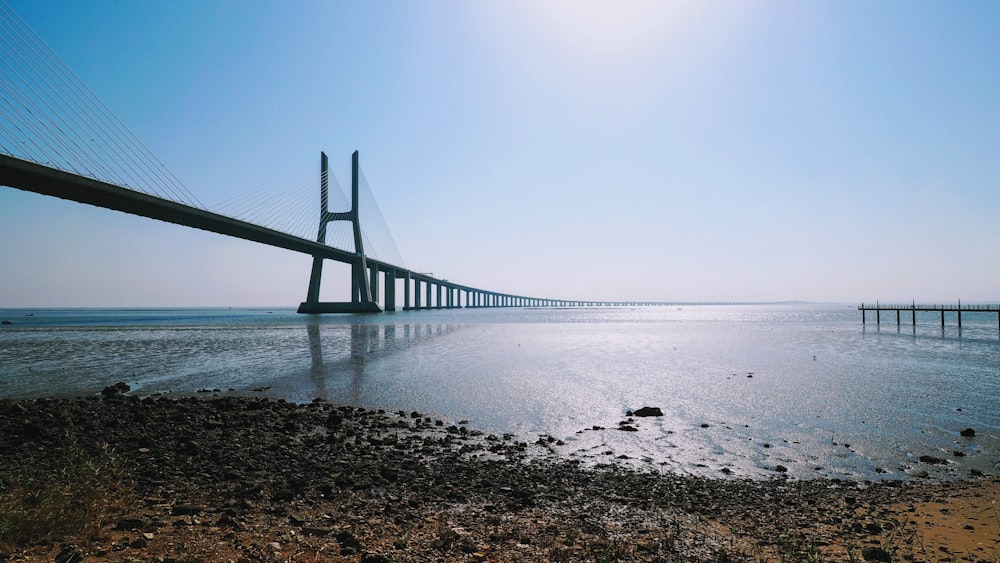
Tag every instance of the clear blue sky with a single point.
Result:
(760, 150)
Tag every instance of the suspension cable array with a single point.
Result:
(52, 118)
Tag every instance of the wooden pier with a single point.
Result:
(913, 308)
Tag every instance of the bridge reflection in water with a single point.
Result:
(368, 342)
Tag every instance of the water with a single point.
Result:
(743, 389)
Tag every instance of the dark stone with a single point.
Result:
(127, 524)
(5, 322)
(349, 545)
(780, 468)
(628, 428)
(968, 433)
(876, 554)
(932, 460)
(648, 411)
(32, 430)
(69, 554)
(115, 390)
(139, 543)
(185, 510)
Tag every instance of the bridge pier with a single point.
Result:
(390, 290)
(361, 291)
(406, 292)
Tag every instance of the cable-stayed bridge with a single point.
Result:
(58, 139)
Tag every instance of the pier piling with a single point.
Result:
(913, 308)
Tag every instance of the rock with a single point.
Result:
(648, 411)
(139, 543)
(296, 518)
(932, 460)
(69, 554)
(444, 541)
(628, 428)
(128, 524)
(876, 554)
(780, 468)
(316, 531)
(6, 322)
(968, 433)
(115, 390)
(349, 545)
(185, 510)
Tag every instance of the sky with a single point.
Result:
(839, 151)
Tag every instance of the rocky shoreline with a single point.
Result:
(244, 479)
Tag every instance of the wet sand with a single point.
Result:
(243, 479)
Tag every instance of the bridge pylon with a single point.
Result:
(361, 291)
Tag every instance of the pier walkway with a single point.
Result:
(913, 308)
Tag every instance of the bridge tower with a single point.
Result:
(361, 292)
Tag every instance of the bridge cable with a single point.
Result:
(375, 228)
(83, 115)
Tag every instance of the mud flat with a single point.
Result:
(244, 479)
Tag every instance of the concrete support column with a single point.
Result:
(406, 292)
(429, 305)
(416, 293)
(373, 281)
(390, 290)
(439, 304)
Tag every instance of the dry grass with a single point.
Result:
(73, 496)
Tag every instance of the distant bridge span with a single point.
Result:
(37, 178)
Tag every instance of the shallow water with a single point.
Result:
(743, 388)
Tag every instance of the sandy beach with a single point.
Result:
(242, 479)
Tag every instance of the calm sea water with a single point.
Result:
(743, 389)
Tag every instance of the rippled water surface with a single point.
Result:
(743, 389)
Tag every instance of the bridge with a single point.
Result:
(59, 140)
(421, 291)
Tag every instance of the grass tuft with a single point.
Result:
(71, 498)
